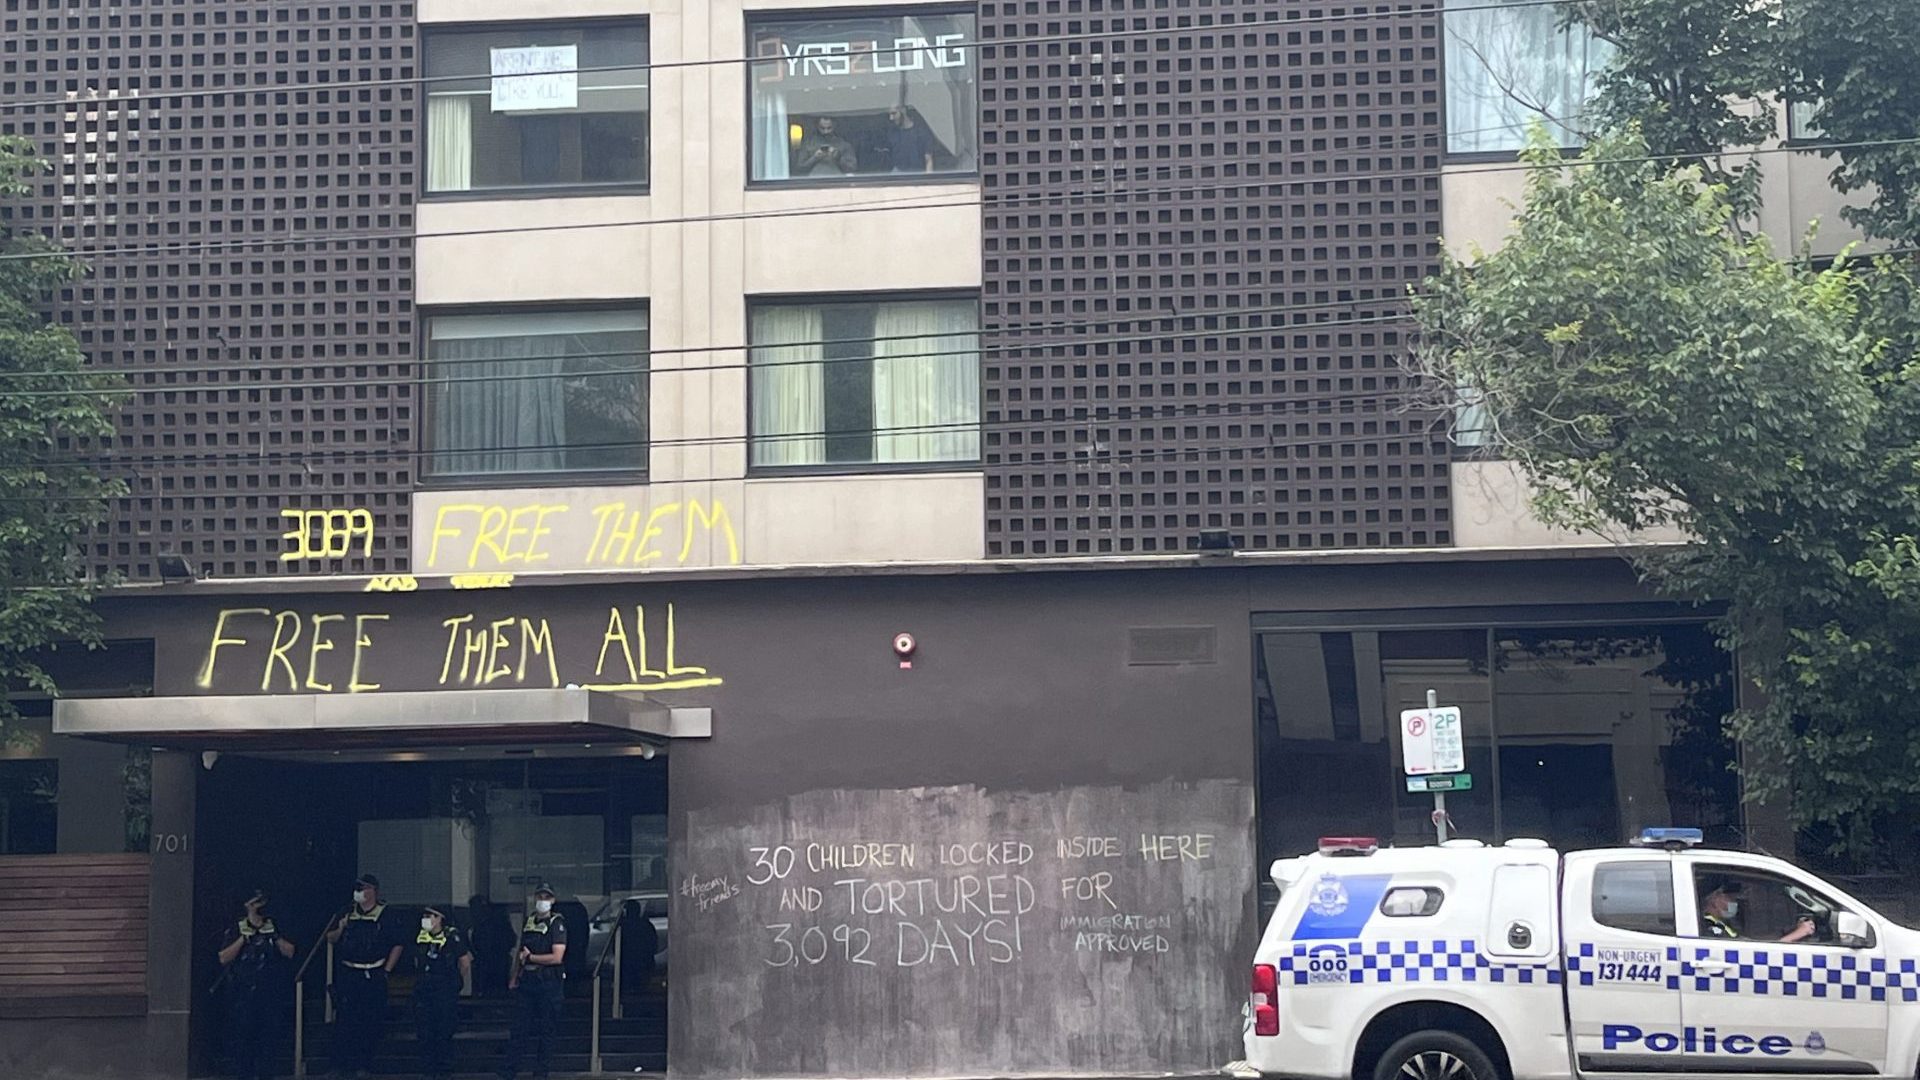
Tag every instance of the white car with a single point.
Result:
(1466, 962)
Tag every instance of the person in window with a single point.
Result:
(824, 153)
(1720, 911)
(909, 143)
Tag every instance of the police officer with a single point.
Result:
(367, 946)
(442, 964)
(1721, 907)
(538, 986)
(252, 959)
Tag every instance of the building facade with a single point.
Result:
(917, 504)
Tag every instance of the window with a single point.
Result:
(29, 806)
(1581, 735)
(537, 392)
(1509, 67)
(1801, 126)
(866, 383)
(1739, 902)
(1411, 902)
(853, 95)
(1636, 896)
(556, 105)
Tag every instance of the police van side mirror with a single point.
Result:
(1852, 929)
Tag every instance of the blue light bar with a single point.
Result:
(1670, 837)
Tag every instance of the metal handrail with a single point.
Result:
(613, 950)
(300, 1000)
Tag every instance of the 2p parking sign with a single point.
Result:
(1431, 741)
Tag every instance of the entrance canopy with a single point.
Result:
(402, 719)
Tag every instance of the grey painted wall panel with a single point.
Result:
(961, 932)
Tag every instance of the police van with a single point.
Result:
(1468, 962)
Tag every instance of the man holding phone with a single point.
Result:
(253, 955)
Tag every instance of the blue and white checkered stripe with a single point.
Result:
(1772, 971)
(1432, 960)
(1775, 971)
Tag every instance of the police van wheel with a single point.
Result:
(1435, 1055)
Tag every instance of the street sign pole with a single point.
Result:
(1439, 797)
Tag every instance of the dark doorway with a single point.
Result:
(472, 834)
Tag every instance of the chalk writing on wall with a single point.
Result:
(493, 536)
(962, 904)
(1087, 929)
(326, 534)
(283, 651)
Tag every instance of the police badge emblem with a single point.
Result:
(1329, 896)
(1816, 1044)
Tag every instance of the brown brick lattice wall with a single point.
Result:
(1248, 155)
(267, 376)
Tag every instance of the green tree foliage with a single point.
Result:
(49, 402)
(1858, 61)
(1690, 73)
(1648, 367)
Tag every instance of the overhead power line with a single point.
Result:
(1396, 9)
(90, 374)
(990, 202)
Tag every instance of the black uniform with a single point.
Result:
(252, 985)
(436, 995)
(537, 1002)
(360, 986)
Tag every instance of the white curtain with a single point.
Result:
(449, 142)
(1510, 67)
(771, 152)
(926, 382)
(789, 395)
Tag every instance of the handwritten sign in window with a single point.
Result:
(536, 78)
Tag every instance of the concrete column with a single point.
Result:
(170, 985)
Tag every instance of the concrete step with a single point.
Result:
(563, 1065)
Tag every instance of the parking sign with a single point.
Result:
(1430, 741)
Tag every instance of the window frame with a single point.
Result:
(642, 186)
(425, 479)
(1702, 863)
(1434, 898)
(852, 468)
(52, 806)
(1662, 866)
(1450, 156)
(958, 177)
(1792, 135)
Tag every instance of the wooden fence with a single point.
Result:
(73, 935)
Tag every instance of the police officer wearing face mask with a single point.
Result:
(538, 986)
(1720, 911)
(253, 956)
(441, 963)
(367, 945)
